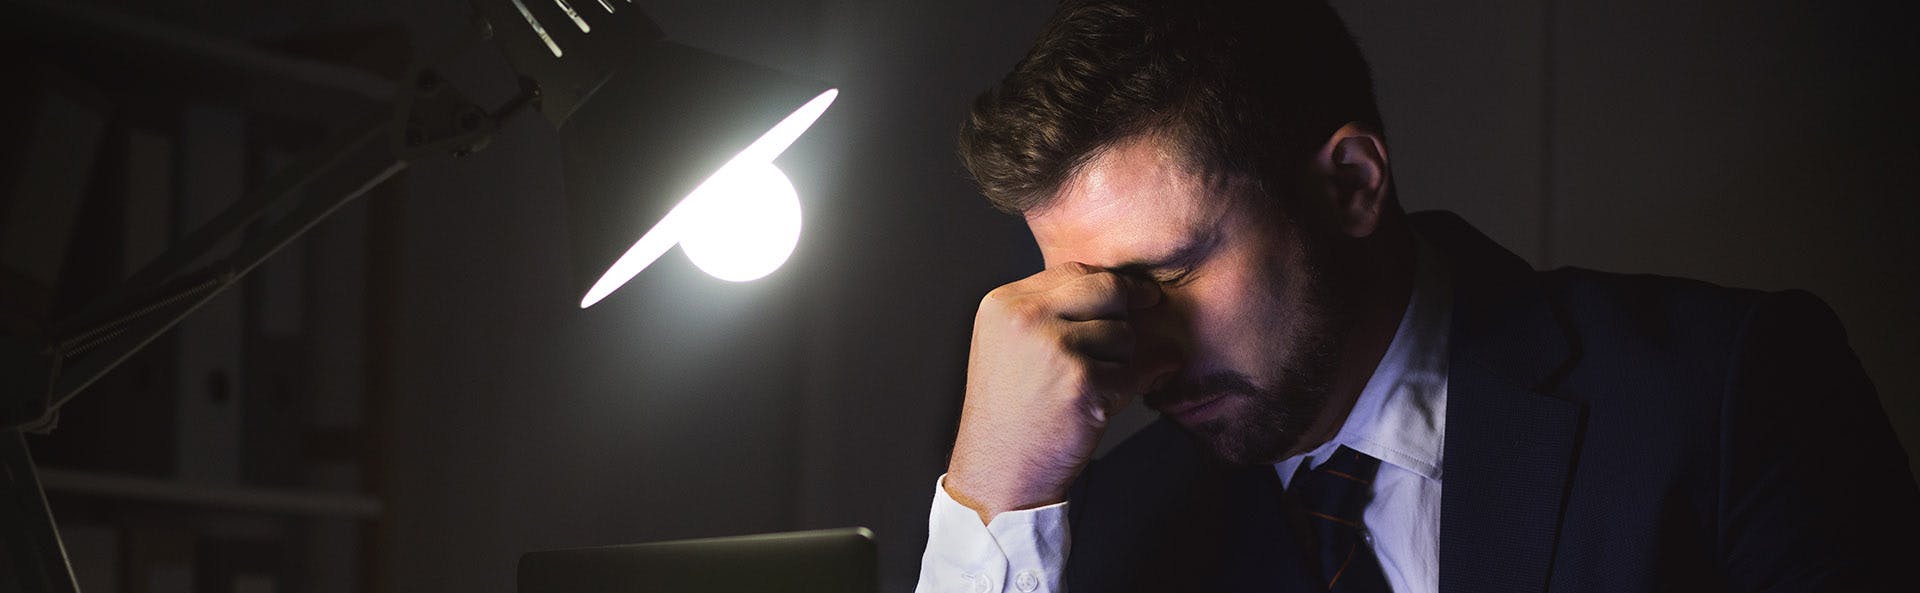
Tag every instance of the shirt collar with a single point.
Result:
(1401, 415)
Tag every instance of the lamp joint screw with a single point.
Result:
(415, 135)
(532, 90)
(427, 81)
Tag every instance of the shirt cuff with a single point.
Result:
(1022, 551)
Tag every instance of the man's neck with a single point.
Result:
(1382, 269)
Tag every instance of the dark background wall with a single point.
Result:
(1764, 144)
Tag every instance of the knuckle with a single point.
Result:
(1027, 312)
(995, 299)
(1065, 342)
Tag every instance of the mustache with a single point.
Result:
(1211, 385)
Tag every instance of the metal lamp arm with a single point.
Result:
(80, 358)
(430, 118)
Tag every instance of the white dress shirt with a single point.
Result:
(1400, 418)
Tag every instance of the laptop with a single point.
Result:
(825, 561)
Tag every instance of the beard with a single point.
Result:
(1273, 418)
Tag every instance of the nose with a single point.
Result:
(1161, 341)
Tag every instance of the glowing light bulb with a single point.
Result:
(742, 224)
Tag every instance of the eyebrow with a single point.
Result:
(1184, 256)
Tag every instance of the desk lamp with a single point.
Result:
(663, 145)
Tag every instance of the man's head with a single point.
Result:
(1244, 86)
(1229, 150)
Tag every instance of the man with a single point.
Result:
(1356, 399)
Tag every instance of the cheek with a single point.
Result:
(1230, 319)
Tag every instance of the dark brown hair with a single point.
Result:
(1248, 87)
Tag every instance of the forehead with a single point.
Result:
(1134, 202)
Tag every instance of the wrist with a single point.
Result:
(989, 503)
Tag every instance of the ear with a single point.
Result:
(1353, 172)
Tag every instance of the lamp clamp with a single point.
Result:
(436, 118)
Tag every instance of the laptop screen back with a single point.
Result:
(825, 561)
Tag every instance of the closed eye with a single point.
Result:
(1172, 277)
(1174, 267)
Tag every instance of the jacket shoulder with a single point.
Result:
(1649, 336)
(1650, 309)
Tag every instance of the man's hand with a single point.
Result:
(1053, 358)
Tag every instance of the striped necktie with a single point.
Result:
(1333, 498)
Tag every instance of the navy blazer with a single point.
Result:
(1605, 433)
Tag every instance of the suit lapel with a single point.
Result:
(1263, 553)
(1510, 444)
(1509, 452)
(1236, 537)
(1170, 520)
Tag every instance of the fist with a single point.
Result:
(1053, 357)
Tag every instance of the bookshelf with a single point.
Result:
(240, 452)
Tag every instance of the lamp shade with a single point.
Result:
(677, 148)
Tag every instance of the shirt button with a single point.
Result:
(1367, 536)
(978, 583)
(1026, 581)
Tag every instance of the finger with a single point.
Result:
(1113, 386)
(1102, 295)
(1107, 340)
(1050, 278)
